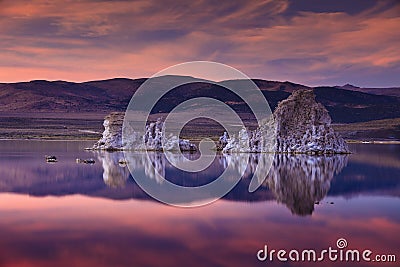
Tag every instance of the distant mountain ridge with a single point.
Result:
(344, 104)
(390, 91)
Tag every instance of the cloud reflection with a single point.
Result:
(82, 231)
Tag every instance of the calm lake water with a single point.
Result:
(69, 214)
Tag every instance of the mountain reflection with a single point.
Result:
(298, 181)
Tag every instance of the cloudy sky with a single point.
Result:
(313, 42)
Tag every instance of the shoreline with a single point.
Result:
(48, 140)
(349, 141)
(376, 142)
(89, 127)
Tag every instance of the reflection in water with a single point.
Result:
(114, 173)
(298, 181)
(90, 226)
(152, 163)
(81, 231)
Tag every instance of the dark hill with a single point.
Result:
(392, 91)
(344, 105)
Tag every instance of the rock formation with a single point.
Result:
(152, 140)
(298, 125)
(304, 126)
(223, 141)
(112, 135)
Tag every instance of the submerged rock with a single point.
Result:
(298, 125)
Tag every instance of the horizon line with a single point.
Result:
(139, 78)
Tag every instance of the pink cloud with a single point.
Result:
(136, 39)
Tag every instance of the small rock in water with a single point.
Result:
(89, 161)
(122, 162)
(51, 158)
(86, 161)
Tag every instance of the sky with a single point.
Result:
(312, 42)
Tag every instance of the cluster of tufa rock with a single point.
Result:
(152, 140)
(298, 125)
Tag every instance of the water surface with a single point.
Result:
(69, 214)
